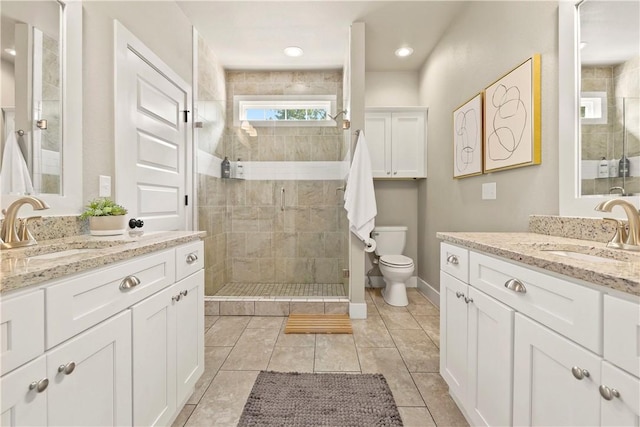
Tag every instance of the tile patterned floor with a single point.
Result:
(399, 342)
(283, 290)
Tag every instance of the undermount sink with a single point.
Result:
(61, 254)
(581, 256)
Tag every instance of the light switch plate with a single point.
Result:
(105, 186)
(489, 191)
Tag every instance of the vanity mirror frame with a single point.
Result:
(571, 203)
(69, 202)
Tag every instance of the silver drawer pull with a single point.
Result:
(129, 282)
(191, 258)
(468, 300)
(515, 285)
(67, 369)
(452, 259)
(39, 386)
(459, 294)
(608, 393)
(184, 293)
(177, 298)
(580, 373)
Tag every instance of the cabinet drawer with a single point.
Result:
(622, 333)
(189, 259)
(572, 310)
(455, 261)
(78, 303)
(21, 329)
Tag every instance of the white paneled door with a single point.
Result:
(153, 153)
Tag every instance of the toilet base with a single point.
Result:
(395, 293)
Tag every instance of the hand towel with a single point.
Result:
(359, 196)
(14, 175)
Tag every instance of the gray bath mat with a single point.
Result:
(303, 400)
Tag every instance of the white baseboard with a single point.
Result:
(430, 292)
(378, 282)
(358, 310)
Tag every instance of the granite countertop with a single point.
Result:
(622, 273)
(19, 268)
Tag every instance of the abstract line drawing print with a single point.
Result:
(507, 124)
(467, 136)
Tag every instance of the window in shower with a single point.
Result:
(285, 110)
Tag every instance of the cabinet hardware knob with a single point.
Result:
(579, 373)
(177, 298)
(68, 368)
(515, 285)
(459, 294)
(129, 282)
(608, 393)
(191, 258)
(452, 259)
(395, 173)
(468, 300)
(184, 293)
(389, 173)
(39, 386)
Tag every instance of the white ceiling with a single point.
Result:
(250, 35)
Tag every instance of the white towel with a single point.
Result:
(14, 175)
(359, 196)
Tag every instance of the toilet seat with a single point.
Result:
(396, 261)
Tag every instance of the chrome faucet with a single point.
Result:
(631, 239)
(15, 233)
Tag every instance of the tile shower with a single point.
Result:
(274, 237)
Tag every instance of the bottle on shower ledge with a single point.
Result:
(225, 168)
(624, 166)
(603, 168)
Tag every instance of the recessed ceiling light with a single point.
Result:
(10, 51)
(293, 51)
(404, 51)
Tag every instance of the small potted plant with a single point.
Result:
(106, 218)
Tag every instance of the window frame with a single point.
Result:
(243, 102)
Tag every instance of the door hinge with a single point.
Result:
(186, 200)
(186, 115)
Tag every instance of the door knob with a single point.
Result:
(67, 369)
(39, 386)
(608, 393)
(579, 373)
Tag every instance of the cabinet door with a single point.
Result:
(154, 359)
(22, 406)
(545, 390)
(378, 134)
(490, 361)
(623, 410)
(189, 334)
(453, 334)
(407, 148)
(97, 392)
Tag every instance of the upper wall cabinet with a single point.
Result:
(396, 137)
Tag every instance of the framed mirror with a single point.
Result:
(596, 117)
(41, 105)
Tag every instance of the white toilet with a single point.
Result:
(396, 268)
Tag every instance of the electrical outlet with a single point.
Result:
(489, 191)
(105, 186)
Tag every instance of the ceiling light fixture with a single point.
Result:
(404, 51)
(10, 51)
(293, 51)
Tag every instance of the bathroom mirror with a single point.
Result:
(41, 105)
(572, 168)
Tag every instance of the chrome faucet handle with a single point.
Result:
(620, 235)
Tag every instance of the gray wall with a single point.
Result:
(163, 28)
(487, 40)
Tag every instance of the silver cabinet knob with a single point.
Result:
(67, 369)
(184, 293)
(452, 259)
(39, 386)
(608, 393)
(177, 298)
(129, 282)
(389, 173)
(579, 373)
(191, 258)
(459, 294)
(515, 285)
(395, 173)
(468, 300)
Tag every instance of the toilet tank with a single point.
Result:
(390, 240)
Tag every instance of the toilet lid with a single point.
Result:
(396, 260)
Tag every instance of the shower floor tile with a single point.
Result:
(296, 290)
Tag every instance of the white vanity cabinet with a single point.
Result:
(574, 348)
(476, 352)
(84, 372)
(396, 138)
